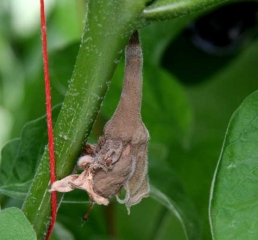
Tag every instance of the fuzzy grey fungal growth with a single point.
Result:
(119, 160)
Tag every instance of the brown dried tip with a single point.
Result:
(86, 216)
(134, 39)
(89, 149)
(120, 158)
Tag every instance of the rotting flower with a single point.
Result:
(120, 158)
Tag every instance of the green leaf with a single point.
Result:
(234, 195)
(168, 190)
(71, 30)
(167, 9)
(61, 63)
(14, 225)
(20, 158)
(8, 155)
(160, 197)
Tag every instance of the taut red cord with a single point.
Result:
(49, 116)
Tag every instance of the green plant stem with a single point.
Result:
(108, 27)
(167, 9)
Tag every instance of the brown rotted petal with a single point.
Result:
(140, 173)
(112, 149)
(142, 192)
(108, 184)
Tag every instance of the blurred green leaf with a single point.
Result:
(143, 221)
(168, 190)
(64, 28)
(70, 216)
(61, 63)
(24, 55)
(9, 152)
(60, 233)
(9, 183)
(14, 225)
(233, 209)
(167, 203)
(20, 158)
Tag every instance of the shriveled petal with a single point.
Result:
(63, 184)
(81, 181)
(136, 181)
(142, 192)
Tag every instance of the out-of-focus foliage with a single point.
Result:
(20, 158)
(21, 87)
(192, 85)
(14, 224)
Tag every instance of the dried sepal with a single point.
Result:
(119, 160)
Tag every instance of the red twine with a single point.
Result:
(49, 117)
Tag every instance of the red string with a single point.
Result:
(49, 116)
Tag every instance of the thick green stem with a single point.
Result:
(108, 27)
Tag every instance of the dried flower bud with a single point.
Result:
(120, 158)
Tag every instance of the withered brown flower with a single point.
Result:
(119, 160)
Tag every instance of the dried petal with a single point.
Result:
(140, 173)
(63, 184)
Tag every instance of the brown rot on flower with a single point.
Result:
(119, 160)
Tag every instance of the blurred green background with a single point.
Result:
(197, 71)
